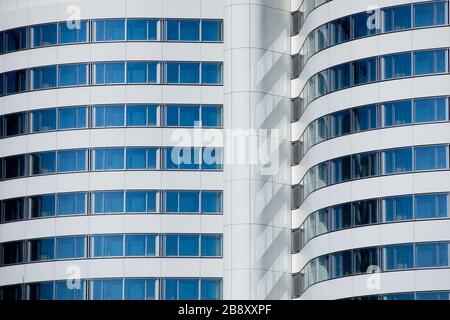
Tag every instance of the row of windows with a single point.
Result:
(84, 31)
(106, 159)
(299, 16)
(117, 115)
(107, 202)
(108, 73)
(404, 17)
(423, 295)
(112, 245)
(368, 260)
(384, 115)
(387, 67)
(117, 289)
(371, 164)
(369, 212)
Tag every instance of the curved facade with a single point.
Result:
(370, 159)
(96, 96)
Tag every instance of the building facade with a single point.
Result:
(370, 136)
(224, 149)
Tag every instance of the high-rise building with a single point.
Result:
(224, 149)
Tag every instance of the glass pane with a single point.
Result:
(188, 245)
(397, 66)
(44, 120)
(211, 202)
(398, 208)
(212, 73)
(211, 116)
(72, 161)
(426, 255)
(188, 289)
(424, 14)
(189, 201)
(135, 245)
(71, 203)
(72, 75)
(136, 201)
(211, 289)
(397, 18)
(136, 72)
(189, 116)
(73, 117)
(211, 30)
(136, 158)
(137, 115)
(136, 29)
(70, 247)
(189, 73)
(134, 289)
(73, 31)
(399, 160)
(211, 246)
(189, 30)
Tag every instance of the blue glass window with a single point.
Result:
(365, 118)
(340, 77)
(340, 169)
(142, 115)
(109, 30)
(398, 208)
(72, 160)
(211, 202)
(211, 159)
(16, 81)
(43, 35)
(182, 158)
(43, 77)
(74, 31)
(397, 257)
(212, 30)
(365, 165)
(211, 73)
(181, 201)
(72, 117)
(182, 30)
(107, 246)
(68, 290)
(181, 245)
(211, 245)
(41, 291)
(430, 61)
(109, 72)
(109, 116)
(141, 201)
(398, 297)
(109, 159)
(44, 120)
(180, 289)
(364, 71)
(43, 163)
(42, 249)
(140, 245)
(182, 72)
(365, 212)
(72, 75)
(108, 202)
(211, 116)
(110, 289)
(211, 289)
(430, 109)
(432, 296)
(397, 18)
(397, 113)
(16, 39)
(340, 30)
(431, 206)
(71, 203)
(70, 247)
(397, 160)
(341, 216)
(431, 157)
(430, 255)
(430, 14)
(134, 289)
(142, 29)
(142, 72)
(396, 66)
(141, 158)
(340, 123)
(342, 264)
(181, 116)
(42, 206)
(364, 24)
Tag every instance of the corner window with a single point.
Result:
(212, 30)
